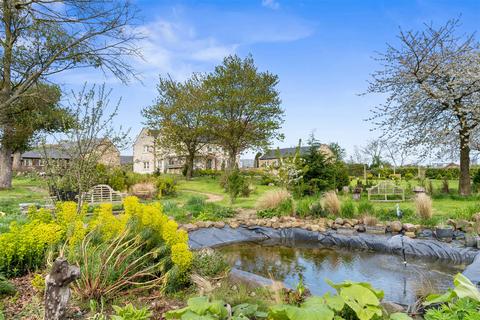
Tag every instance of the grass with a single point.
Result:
(24, 190)
(212, 186)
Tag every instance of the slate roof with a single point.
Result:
(284, 152)
(126, 160)
(52, 153)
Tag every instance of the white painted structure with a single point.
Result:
(148, 157)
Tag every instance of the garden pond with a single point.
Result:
(401, 284)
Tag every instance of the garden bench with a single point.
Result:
(102, 193)
(384, 191)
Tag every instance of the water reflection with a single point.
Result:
(383, 271)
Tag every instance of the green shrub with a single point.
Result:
(38, 283)
(366, 207)
(129, 312)
(6, 287)
(117, 180)
(195, 205)
(266, 180)
(303, 207)
(316, 210)
(214, 212)
(166, 186)
(203, 308)
(461, 302)
(465, 308)
(23, 247)
(171, 209)
(285, 208)
(347, 209)
(207, 173)
(209, 263)
(235, 184)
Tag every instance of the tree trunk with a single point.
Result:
(464, 185)
(17, 156)
(190, 161)
(232, 160)
(5, 168)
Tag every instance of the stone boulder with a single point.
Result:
(396, 226)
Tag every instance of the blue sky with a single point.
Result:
(322, 51)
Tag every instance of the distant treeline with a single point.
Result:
(410, 172)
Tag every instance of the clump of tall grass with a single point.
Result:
(144, 190)
(347, 209)
(423, 205)
(369, 220)
(331, 203)
(273, 199)
(366, 207)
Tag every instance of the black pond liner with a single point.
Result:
(423, 248)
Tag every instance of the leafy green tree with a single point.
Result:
(39, 39)
(180, 117)
(321, 172)
(31, 115)
(245, 110)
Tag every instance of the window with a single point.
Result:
(146, 165)
(145, 148)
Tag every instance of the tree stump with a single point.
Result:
(57, 292)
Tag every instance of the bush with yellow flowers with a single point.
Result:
(159, 240)
(23, 248)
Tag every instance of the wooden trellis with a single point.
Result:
(386, 191)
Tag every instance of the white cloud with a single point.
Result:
(182, 43)
(177, 49)
(272, 4)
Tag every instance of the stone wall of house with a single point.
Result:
(147, 158)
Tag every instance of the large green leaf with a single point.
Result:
(360, 294)
(176, 314)
(400, 316)
(245, 309)
(439, 298)
(334, 302)
(218, 308)
(320, 312)
(347, 283)
(189, 315)
(464, 288)
(362, 300)
(198, 305)
(278, 312)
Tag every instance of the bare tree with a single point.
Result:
(85, 144)
(397, 154)
(432, 79)
(372, 152)
(41, 38)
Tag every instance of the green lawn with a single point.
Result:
(212, 185)
(24, 190)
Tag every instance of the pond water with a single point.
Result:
(386, 272)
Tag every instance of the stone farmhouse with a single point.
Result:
(148, 157)
(34, 160)
(271, 157)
